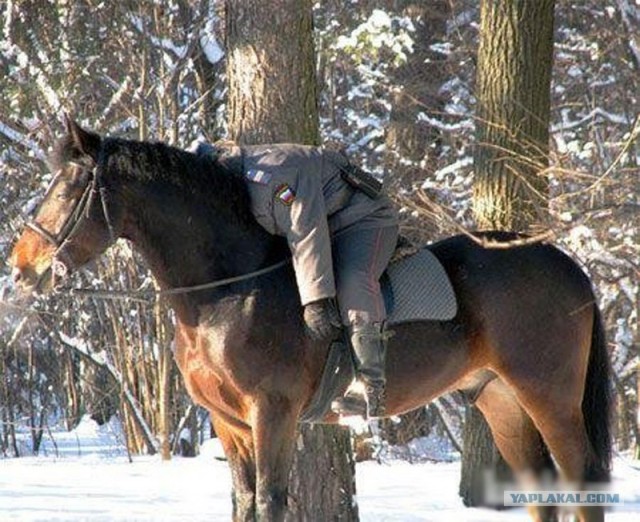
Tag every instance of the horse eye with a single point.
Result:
(63, 195)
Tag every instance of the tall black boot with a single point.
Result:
(369, 350)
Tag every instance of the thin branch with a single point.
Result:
(433, 209)
(635, 131)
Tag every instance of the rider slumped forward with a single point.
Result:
(341, 233)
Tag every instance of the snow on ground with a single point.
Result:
(90, 478)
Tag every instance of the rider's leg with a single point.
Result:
(360, 257)
(370, 349)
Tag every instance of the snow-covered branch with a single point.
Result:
(595, 113)
(21, 139)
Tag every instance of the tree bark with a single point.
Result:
(271, 71)
(513, 84)
(480, 456)
(273, 98)
(322, 482)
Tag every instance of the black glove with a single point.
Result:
(321, 319)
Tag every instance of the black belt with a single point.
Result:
(361, 180)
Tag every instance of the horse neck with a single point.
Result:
(185, 243)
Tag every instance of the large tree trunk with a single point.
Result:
(479, 456)
(513, 83)
(272, 98)
(271, 71)
(322, 483)
(513, 91)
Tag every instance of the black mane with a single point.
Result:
(198, 177)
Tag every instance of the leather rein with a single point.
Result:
(72, 223)
(145, 295)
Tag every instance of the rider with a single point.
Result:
(323, 204)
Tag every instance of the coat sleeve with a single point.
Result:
(303, 220)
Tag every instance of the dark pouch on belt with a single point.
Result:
(361, 180)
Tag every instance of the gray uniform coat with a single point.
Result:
(298, 192)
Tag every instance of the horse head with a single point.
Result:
(74, 222)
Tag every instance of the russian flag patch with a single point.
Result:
(258, 176)
(285, 194)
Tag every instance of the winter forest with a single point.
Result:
(396, 90)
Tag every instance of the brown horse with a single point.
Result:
(527, 318)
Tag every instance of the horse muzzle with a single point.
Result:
(28, 281)
(40, 280)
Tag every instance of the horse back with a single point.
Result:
(516, 283)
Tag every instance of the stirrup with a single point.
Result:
(350, 406)
(353, 403)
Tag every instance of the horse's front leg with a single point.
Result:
(274, 430)
(237, 441)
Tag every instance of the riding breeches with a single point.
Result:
(360, 255)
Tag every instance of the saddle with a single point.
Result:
(415, 288)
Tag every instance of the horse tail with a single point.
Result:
(596, 404)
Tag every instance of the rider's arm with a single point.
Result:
(300, 214)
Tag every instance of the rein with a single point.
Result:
(145, 295)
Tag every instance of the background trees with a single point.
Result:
(385, 70)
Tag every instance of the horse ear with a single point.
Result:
(87, 143)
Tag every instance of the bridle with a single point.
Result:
(62, 262)
(57, 239)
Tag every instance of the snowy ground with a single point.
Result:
(89, 478)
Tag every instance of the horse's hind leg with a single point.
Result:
(552, 395)
(237, 442)
(274, 429)
(517, 439)
(563, 429)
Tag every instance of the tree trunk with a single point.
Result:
(322, 482)
(412, 144)
(479, 456)
(513, 83)
(637, 429)
(271, 71)
(272, 98)
(421, 77)
(165, 362)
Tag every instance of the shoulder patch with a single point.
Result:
(258, 176)
(285, 194)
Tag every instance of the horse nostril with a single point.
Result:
(16, 274)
